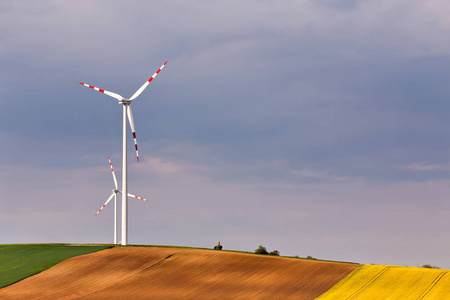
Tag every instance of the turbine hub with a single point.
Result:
(124, 101)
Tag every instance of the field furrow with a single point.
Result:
(352, 296)
(392, 282)
(432, 285)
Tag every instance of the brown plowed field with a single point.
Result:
(171, 273)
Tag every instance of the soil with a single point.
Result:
(173, 273)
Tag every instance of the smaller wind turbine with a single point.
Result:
(114, 194)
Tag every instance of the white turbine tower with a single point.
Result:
(126, 113)
(114, 194)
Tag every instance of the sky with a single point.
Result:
(314, 127)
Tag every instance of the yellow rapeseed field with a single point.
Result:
(392, 282)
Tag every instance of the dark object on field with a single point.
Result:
(261, 250)
(218, 246)
(430, 266)
(275, 253)
(310, 257)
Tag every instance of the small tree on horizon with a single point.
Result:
(430, 266)
(275, 253)
(261, 250)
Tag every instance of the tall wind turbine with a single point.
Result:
(114, 194)
(126, 113)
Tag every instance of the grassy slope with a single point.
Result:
(22, 260)
(238, 251)
(392, 282)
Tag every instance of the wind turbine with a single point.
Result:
(126, 113)
(114, 194)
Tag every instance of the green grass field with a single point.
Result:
(19, 261)
(238, 251)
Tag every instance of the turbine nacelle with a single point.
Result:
(125, 101)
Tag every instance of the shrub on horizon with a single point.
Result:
(261, 250)
(275, 253)
(430, 266)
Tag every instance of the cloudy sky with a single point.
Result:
(315, 127)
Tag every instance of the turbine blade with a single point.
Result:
(109, 199)
(111, 94)
(142, 88)
(114, 175)
(133, 196)
(130, 118)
